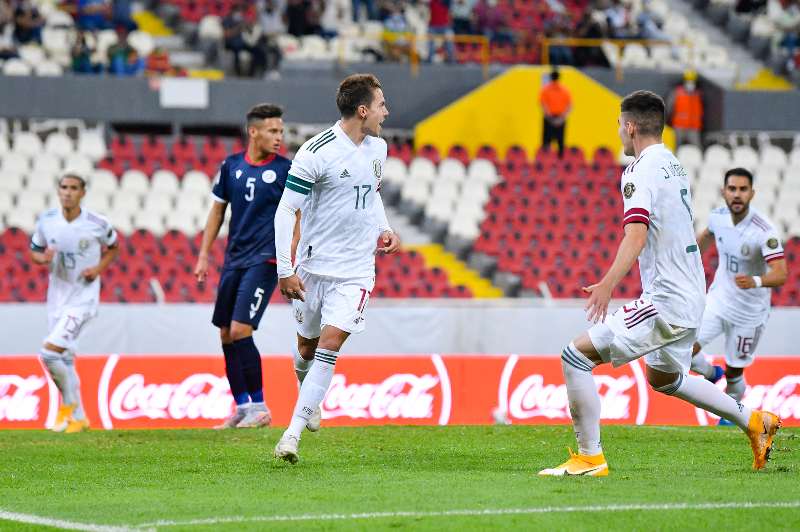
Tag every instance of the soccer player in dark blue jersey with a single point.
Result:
(252, 183)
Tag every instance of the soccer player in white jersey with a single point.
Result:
(335, 178)
(77, 245)
(661, 326)
(751, 263)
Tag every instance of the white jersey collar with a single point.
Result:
(652, 147)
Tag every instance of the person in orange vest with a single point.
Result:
(685, 107)
(556, 105)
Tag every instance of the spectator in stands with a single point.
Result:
(785, 16)
(28, 23)
(93, 15)
(7, 47)
(335, 14)
(396, 45)
(121, 15)
(439, 24)
(461, 12)
(559, 27)
(272, 26)
(491, 22)
(82, 56)
(746, 7)
(303, 17)
(123, 59)
(685, 109)
(593, 25)
(234, 26)
(618, 20)
(369, 5)
(556, 104)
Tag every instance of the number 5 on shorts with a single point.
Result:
(259, 295)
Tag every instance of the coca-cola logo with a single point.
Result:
(526, 395)
(196, 396)
(405, 396)
(781, 398)
(19, 399)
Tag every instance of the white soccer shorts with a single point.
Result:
(65, 326)
(637, 330)
(331, 301)
(740, 342)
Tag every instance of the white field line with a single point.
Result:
(474, 513)
(62, 523)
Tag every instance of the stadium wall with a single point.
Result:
(418, 327)
(307, 94)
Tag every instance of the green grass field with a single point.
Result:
(431, 478)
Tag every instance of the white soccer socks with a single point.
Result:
(701, 365)
(312, 392)
(584, 401)
(736, 387)
(62, 370)
(703, 394)
(74, 385)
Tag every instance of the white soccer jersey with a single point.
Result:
(340, 225)
(78, 246)
(655, 192)
(745, 248)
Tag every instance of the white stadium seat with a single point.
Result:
(16, 67)
(150, 221)
(773, 156)
(5, 145)
(482, 170)
(46, 163)
(745, 157)
(11, 182)
(690, 156)
(158, 202)
(197, 181)
(395, 171)
(15, 162)
(6, 203)
(92, 144)
(439, 209)
(134, 181)
(22, 218)
(164, 181)
(192, 203)
(31, 201)
(58, 143)
(717, 155)
(422, 169)
(102, 179)
(32, 54)
(181, 221)
(41, 183)
(28, 143)
(210, 28)
(452, 170)
(126, 203)
(142, 42)
(98, 201)
(48, 69)
(122, 222)
(78, 163)
(416, 190)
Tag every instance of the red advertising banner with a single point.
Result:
(191, 391)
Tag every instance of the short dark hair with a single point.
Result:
(740, 172)
(554, 75)
(262, 111)
(646, 110)
(356, 90)
(72, 176)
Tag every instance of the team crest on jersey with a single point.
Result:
(772, 243)
(376, 168)
(745, 250)
(83, 244)
(298, 315)
(269, 176)
(629, 189)
(238, 174)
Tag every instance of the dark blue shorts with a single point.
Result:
(243, 294)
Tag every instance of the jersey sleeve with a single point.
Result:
(771, 247)
(711, 224)
(220, 191)
(304, 172)
(108, 237)
(38, 240)
(637, 198)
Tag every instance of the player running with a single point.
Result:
(751, 262)
(78, 245)
(252, 183)
(336, 177)
(661, 325)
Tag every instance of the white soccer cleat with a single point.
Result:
(315, 421)
(232, 421)
(255, 418)
(287, 449)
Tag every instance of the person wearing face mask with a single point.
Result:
(685, 105)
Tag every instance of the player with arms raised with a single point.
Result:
(662, 325)
(336, 178)
(252, 183)
(77, 245)
(751, 262)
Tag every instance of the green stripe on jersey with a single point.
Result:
(298, 185)
(325, 136)
(316, 148)
(691, 249)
